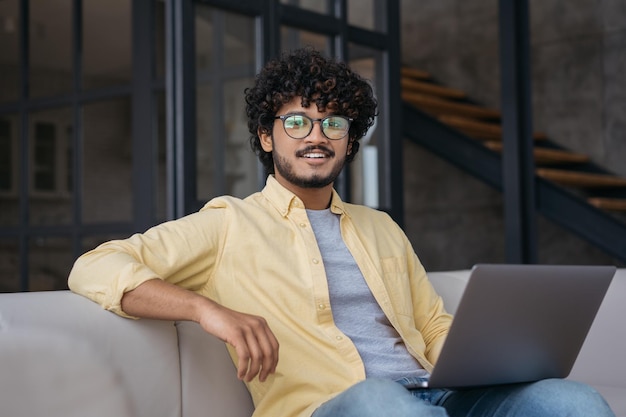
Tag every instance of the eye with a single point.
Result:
(335, 123)
(296, 122)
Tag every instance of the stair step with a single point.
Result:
(411, 85)
(414, 73)
(480, 129)
(615, 204)
(546, 155)
(437, 106)
(581, 179)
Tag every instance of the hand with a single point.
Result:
(255, 344)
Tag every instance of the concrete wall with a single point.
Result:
(578, 55)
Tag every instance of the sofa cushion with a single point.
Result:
(144, 353)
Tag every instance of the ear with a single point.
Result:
(266, 140)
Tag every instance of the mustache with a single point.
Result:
(312, 148)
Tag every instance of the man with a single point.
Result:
(337, 286)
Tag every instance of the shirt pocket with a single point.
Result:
(396, 281)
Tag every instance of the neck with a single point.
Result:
(313, 198)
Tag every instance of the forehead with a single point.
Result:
(295, 106)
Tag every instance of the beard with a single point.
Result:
(285, 169)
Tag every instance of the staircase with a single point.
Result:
(570, 189)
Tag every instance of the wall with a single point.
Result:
(578, 56)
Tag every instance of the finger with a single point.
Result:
(243, 360)
(270, 347)
(255, 358)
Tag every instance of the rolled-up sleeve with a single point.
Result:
(181, 252)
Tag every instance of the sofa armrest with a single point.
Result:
(56, 375)
(210, 387)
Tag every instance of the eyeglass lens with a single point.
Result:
(299, 126)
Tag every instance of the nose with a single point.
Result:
(316, 134)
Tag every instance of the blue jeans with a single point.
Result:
(547, 398)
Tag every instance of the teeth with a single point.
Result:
(314, 155)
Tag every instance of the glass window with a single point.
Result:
(9, 45)
(207, 133)
(50, 260)
(9, 169)
(50, 166)
(368, 14)
(159, 38)
(225, 64)
(312, 5)
(107, 43)
(292, 38)
(365, 167)
(161, 185)
(50, 52)
(107, 162)
(9, 265)
(8, 154)
(205, 19)
(242, 169)
(44, 158)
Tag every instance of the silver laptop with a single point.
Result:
(520, 323)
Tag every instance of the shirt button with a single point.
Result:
(302, 224)
(339, 337)
(321, 306)
(315, 261)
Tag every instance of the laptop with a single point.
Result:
(520, 323)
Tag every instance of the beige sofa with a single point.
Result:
(62, 355)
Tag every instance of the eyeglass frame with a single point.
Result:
(286, 116)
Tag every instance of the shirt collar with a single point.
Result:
(284, 200)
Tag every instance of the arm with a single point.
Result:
(159, 274)
(255, 344)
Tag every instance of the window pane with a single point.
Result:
(159, 38)
(313, 5)
(242, 169)
(161, 186)
(9, 266)
(44, 160)
(9, 45)
(365, 168)
(106, 43)
(50, 49)
(107, 162)
(50, 260)
(205, 38)
(206, 134)
(368, 14)
(9, 168)
(295, 38)
(239, 42)
(225, 163)
(50, 166)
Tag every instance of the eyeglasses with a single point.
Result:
(299, 126)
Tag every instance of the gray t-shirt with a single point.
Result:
(355, 310)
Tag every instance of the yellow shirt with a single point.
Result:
(259, 256)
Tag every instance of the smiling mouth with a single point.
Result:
(315, 153)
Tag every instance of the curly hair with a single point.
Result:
(325, 82)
